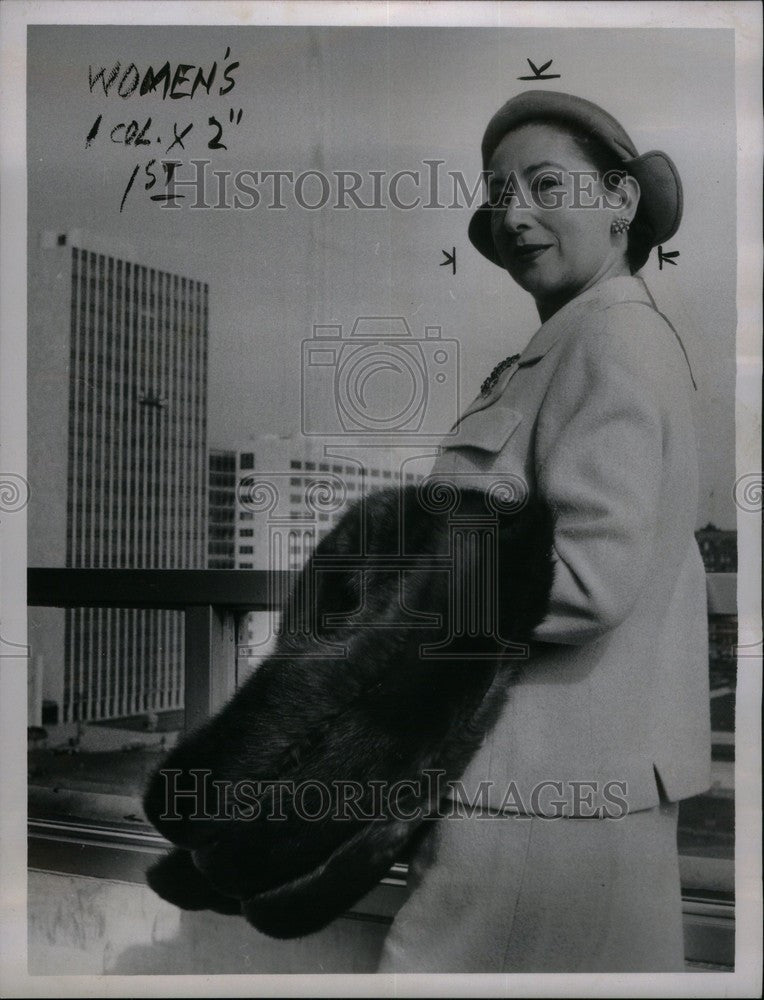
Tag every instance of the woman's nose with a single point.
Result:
(515, 215)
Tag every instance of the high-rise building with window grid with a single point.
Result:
(272, 501)
(222, 510)
(118, 460)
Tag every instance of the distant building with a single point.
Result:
(117, 462)
(289, 494)
(719, 552)
(718, 549)
(221, 529)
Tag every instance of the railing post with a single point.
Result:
(210, 661)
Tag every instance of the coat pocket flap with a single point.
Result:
(488, 429)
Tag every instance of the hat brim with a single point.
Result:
(661, 200)
(660, 204)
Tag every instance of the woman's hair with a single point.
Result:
(611, 170)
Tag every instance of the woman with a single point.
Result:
(569, 863)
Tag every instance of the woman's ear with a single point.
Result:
(624, 197)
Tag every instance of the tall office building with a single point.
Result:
(117, 461)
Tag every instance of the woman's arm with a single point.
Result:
(599, 465)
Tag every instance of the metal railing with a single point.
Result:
(213, 601)
(82, 833)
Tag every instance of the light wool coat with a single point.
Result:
(596, 417)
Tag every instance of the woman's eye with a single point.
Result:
(545, 183)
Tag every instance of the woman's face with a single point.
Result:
(551, 226)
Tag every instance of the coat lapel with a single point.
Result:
(620, 289)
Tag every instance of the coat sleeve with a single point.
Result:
(598, 459)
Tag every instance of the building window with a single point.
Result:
(247, 460)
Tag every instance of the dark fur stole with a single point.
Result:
(390, 668)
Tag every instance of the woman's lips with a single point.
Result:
(529, 251)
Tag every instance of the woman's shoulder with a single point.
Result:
(629, 334)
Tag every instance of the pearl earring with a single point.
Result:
(620, 225)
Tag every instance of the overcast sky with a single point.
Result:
(379, 99)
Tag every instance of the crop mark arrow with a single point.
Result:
(538, 72)
(450, 259)
(668, 257)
